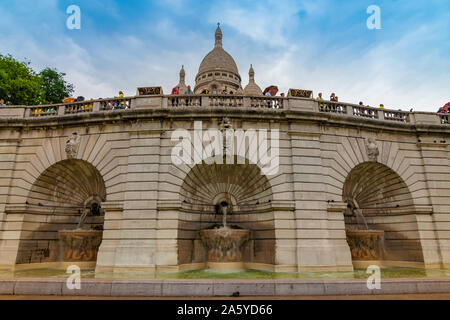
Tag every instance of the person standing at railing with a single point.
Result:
(175, 91)
(2, 103)
(270, 91)
(381, 106)
(332, 107)
(445, 108)
(37, 112)
(320, 98)
(91, 106)
(333, 97)
(121, 103)
(188, 91)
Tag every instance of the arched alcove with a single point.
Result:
(249, 194)
(373, 185)
(378, 199)
(244, 182)
(68, 184)
(56, 201)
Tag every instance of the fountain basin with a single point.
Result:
(80, 245)
(366, 244)
(224, 247)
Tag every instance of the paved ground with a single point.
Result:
(429, 296)
(407, 288)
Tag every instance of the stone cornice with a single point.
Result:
(41, 210)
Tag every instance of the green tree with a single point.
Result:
(19, 84)
(54, 86)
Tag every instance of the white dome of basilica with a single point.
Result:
(218, 71)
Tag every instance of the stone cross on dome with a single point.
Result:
(218, 36)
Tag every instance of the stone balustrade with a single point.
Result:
(115, 104)
(43, 111)
(226, 101)
(363, 111)
(267, 102)
(401, 116)
(445, 118)
(188, 100)
(78, 107)
(233, 101)
(333, 107)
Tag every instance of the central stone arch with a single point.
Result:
(56, 201)
(249, 193)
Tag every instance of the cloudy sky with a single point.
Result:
(322, 45)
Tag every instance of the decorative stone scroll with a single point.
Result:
(149, 91)
(299, 93)
(72, 146)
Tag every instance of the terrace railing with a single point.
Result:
(188, 100)
(365, 112)
(43, 111)
(333, 107)
(267, 102)
(173, 101)
(79, 107)
(399, 116)
(445, 118)
(226, 101)
(115, 104)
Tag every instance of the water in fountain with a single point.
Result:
(360, 217)
(224, 243)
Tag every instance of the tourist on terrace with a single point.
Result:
(188, 91)
(121, 103)
(333, 97)
(271, 91)
(90, 106)
(175, 91)
(320, 98)
(381, 106)
(445, 108)
(2, 103)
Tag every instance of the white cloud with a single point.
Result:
(397, 72)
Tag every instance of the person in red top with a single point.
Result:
(175, 91)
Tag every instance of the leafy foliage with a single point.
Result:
(54, 86)
(20, 85)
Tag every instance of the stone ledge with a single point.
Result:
(220, 287)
